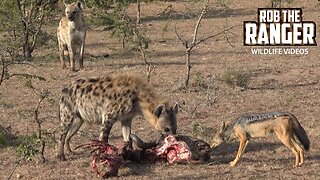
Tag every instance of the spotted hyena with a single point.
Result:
(71, 34)
(108, 99)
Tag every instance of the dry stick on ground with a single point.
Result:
(189, 46)
(43, 96)
(15, 167)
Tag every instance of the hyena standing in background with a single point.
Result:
(71, 34)
(110, 99)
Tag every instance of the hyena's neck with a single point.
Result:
(77, 23)
(148, 101)
(150, 117)
(147, 109)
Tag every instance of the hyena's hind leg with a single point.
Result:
(66, 118)
(73, 129)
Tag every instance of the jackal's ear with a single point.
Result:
(222, 127)
(65, 4)
(159, 110)
(175, 108)
(79, 4)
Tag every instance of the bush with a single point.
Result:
(199, 81)
(21, 23)
(236, 78)
(6, 137)
(27, 146)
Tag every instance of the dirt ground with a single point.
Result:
(278, 83)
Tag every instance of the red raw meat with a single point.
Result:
(174, 151)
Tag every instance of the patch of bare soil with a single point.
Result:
(278, 83)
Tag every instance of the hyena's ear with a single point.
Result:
(79, 4)
(65, 4)
(175, 108)
(159, 110)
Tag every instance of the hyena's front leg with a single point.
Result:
(62, 49)
(81, 55)
(71, 51)
(107, 124)
(126, 131)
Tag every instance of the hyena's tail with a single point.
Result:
(300, 133)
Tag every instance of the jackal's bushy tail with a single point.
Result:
(300, 133)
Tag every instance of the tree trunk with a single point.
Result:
(188, 66)
(123, 42)
(28, 52)
(2, 71)
(138, 12)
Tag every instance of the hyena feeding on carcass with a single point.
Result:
(71, 34)
(110, 99)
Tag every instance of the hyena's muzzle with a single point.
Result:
(72, 15)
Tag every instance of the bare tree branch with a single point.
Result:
(178, 35)
(227, 38)
(20, 10)
(196, 28)
(215, 35)
(41, 22)
(189, 46)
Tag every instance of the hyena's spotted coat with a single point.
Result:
(108, 99)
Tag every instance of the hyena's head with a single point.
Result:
(219, 137)
(166, 118)
(73, 10)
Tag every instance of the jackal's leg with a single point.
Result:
(242, 146)
(107, 124)
(126, 131)
(66, 121)
(75, 126)
(299, 149)
(285, 139)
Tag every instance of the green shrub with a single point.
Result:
(199, 81)
(27, 146)
(236, 78)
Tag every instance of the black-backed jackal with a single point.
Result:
(285, 125)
